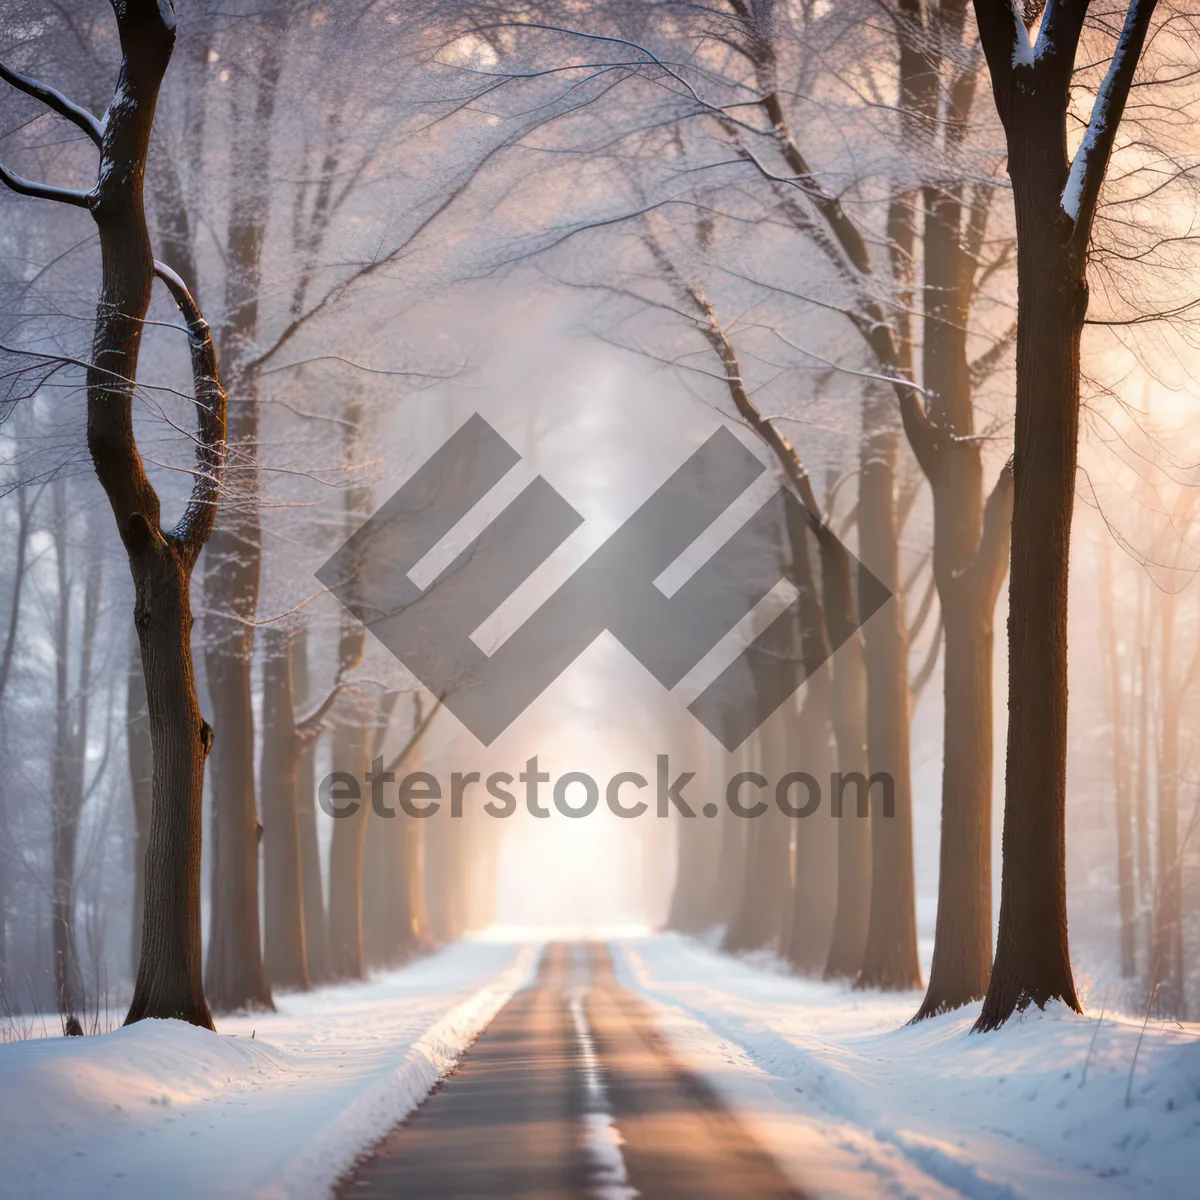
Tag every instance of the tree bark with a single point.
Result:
(285, 961)
(890, 958)
(1123, 811)
(763, 909)
(234, 977)
(1055, 201)
(1166, 972)
(1032, 958)
(141, 766)
(846, 685)
(19, 572)
(818, 902)
(68, 781)
(316, 931)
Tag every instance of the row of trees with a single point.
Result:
(791, 198)
(753, 170)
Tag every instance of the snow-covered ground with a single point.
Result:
(852, 1102)
(273, 1105)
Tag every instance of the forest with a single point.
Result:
(405, 406)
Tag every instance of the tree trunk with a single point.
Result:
(818, 902)
(1166, 973)
(1032, 958)
(235, 976)
(346, 856)
(169, 973)
(70, 751)
(1124, 815)
(141, 766)
(1145, 874)
(764, 910)
(284, 954)
(890, 958)
(316, 931)
(19, 571)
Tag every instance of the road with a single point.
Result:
(570, 1092)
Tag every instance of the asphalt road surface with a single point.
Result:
(570, 1092)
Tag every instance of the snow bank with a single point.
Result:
(854, 1103)
(272, 1105)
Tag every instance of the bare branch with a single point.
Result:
(197, 521)
(308, 728)
(416, 737)
(986, 569)
(54, 100)
(1091, 159)
(44, 191)
(917, 684)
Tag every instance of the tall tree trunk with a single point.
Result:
(141, 767)
(1166, 975)
(818, 901)
(1055, 201)
(845, 685)
(67, 791)
(234, 977)
(7, 654)
(1124, 815)
(346, 854)
(890, 958)
(285, 960)
(316, 931)
(763, 910)
(1032, 959)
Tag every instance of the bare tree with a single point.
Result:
(68, 786)
(160, 560)
(1055, 199)
(286, 738)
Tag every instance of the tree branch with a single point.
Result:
(56, 102)
(917, 684)
(197, 521)
(308, 728)
(417, 735)
(44, 191)
(923, 609)
(1091, 159)
(987, 566)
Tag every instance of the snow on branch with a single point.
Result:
(1022, 47)
(1090, 163)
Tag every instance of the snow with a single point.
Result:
(853, 1102)
(272, 1105)
(850, 1100)
(1101, 115)
(1022, 51)
(602, 1141)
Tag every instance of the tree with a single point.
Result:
(1055, 199)
(160, 560)
(20, 569)
(1112, 648)
(68, 788)
(286, 738)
